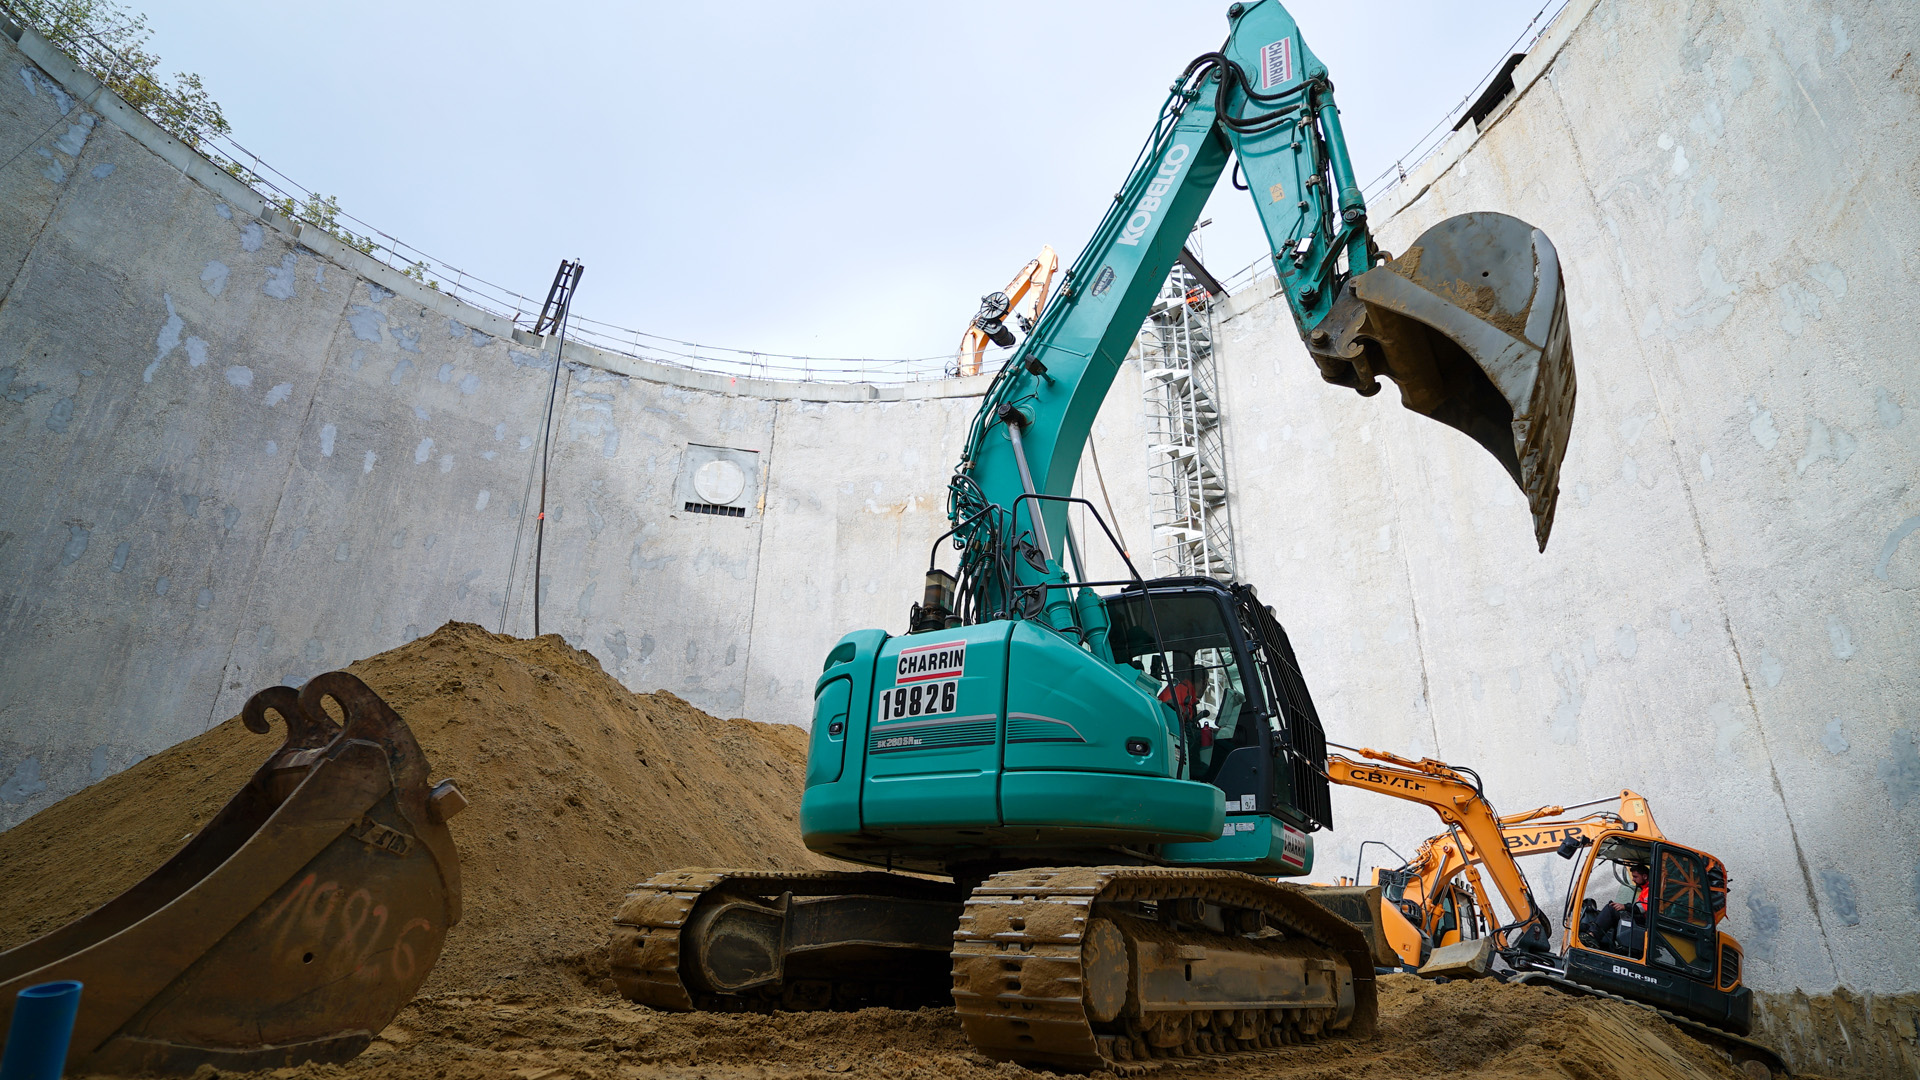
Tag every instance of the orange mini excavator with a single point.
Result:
(1437, 898)
(1642, 917)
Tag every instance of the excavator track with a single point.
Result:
(755, 940)
(1133, 968)
(1743, 1052)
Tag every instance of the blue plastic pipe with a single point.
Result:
(42, 1026)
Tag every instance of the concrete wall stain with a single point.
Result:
(1841, 900)
(1892, 544)
(1899, 772)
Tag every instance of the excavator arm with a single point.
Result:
(1445, 856)
(1472, 828)
(1534, 832)
(1470, 321)
(1023, 299)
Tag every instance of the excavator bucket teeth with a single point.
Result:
(1471, 323)
(292, 927)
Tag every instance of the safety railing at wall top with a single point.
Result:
(1436, 136)
(210, 135)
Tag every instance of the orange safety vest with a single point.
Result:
(1184, 701)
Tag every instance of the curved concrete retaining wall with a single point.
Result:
(1725, 618)
(237, 453)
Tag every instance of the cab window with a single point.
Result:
(1683, 935)
(1449, 913)
(1683, 888)
(1196, 665)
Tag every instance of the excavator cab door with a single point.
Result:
(1607, 882)
(1180, 633)
(1683, 938)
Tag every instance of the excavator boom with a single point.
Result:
(1472, 826)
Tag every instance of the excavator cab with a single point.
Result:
(1669, 951)
(1248, 725)
(1460, 918)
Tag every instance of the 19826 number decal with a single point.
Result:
(920, 699)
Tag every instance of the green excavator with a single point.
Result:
(1090, 785)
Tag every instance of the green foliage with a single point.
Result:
(106, 39)
(323, 212)
(418, 272)
(109, 41)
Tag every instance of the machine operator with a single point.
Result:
(1621, 928)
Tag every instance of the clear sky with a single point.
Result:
(833, 178)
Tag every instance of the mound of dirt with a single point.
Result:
(579, 788)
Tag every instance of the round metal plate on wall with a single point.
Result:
(719, 482)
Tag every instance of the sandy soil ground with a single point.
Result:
(579, 788)
(1482, 1031)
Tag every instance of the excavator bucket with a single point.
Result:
(1359, 905)
(1471, 323)
(292, 927)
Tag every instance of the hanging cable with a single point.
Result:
(1119, 533)
(559, 305)
(564, 283)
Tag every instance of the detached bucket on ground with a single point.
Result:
(292, 927)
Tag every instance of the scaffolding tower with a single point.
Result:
(1186, 455)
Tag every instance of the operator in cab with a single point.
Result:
(1622, 927)
(1188, 686)
(1185, 693)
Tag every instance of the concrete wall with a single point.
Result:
(236, 454)
(1725, 618)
